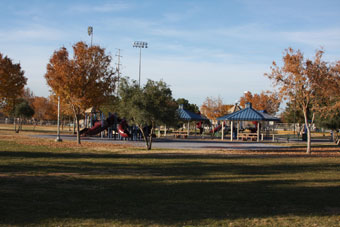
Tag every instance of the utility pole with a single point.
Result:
(118, 68)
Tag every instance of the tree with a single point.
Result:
(292, 114)
(44, 109)
(188, 106)
(264, 101)
(329, 102)
(83, 81)
(23, 110)
(28, 95)
(147, 107)
(12, 82)
(213, 108)
(330, 121)
(302, 80)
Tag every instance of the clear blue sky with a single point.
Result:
(200, 48)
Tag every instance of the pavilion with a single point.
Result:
(188, 116)
(246, 114)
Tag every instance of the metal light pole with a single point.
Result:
(58, 139)
(90, 32)
(140, 45)
(294, 116)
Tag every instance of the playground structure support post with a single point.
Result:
(188, 128)
(258, 131)
(231, 130)
(222, 135)
(238, 130)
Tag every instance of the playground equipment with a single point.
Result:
(99, 126)
(122, 129)
(199, 125)
(115, 127)
(216, 129)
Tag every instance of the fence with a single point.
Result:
(34, 122)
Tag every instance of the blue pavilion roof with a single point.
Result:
(248, 114)
(189, 116)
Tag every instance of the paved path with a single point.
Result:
(179, 143)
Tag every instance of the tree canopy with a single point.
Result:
(147, 106)
(213, 108)
(188, 106)
(264, 101)
(45, 109)
(292, 114)
(82, 81)
(22, 110)
(302, 80)
(12, 82)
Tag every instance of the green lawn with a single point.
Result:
(63, 186)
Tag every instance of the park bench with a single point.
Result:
(180, 134)
(246, 136)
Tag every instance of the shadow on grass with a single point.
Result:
(167, 190)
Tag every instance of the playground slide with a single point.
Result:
(218, 128)
(199, 126)
(98, 127)
(122, 129)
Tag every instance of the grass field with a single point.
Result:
(60, 185)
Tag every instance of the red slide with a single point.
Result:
(122, 129)
(98, 127)
(218, 128)
(95, 129)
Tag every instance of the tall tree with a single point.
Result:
(187, 105)
(292, 114)
(83, 81)
(44, 109)
(28, 95)
(147, 107)
(268, 101)
(213, 108)
(23, 110)
(329, 102)
(301, 80)
(12, 82)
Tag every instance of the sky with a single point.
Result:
(200, 48)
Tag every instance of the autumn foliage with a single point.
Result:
(82, 81)
(45, 109)
(264, 101)
(213, 108)
(12, 82)
(302, 80)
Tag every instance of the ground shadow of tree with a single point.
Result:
(84, 186)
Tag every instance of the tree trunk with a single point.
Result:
(332, 136)
(148, 141)
(35, 122)
(150, 136)
(20, 123)
(15, 124)
(145, 137)
(74, 126)
(78, 134)
(309, 148)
